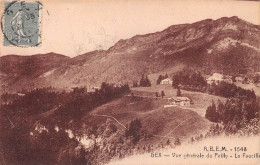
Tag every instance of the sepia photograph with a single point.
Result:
(129, 82)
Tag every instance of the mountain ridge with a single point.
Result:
(227, 45)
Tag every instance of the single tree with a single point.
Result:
(132, 94)
(177, 142)
(192, 139)
(168, 142)
(142, 81)
(147, 82)
(159, 80)
(162, 94)
(4, 97)
(156, 94)
(179, 92)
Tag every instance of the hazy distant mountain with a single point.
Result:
(226, 45)
(21, 71)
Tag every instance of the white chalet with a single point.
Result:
(166, 81)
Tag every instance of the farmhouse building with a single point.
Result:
(166, 81)
(93, 89)
(182, 101)
(20, 94)
(178, 101)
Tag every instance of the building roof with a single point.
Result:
(167, 79)
(181, 99)
(215, 77)
(239, 78)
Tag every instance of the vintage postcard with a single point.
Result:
(120, 82)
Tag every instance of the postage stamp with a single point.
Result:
(21, 23)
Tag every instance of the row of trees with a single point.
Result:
(194, 79)
(196, 82)
(34, 102)
(46, 148)
(144, 82)
(68, 103)
(162, 94)
(236, 113)
(24, 145)
(82, 101)
(233, 108)
(230, 90)
(134, 130)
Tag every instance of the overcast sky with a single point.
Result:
(77, 27)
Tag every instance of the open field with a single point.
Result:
(174, 121)
(201, 100)
(155, 119)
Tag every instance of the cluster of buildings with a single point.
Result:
(175, 101)
(217, 78)
(178, 101)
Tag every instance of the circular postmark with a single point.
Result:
(20, 23)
